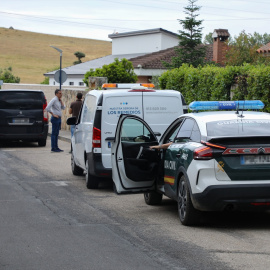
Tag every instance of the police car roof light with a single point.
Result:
(149, 85)
(127, 85)
(226, 105)
(109, 85)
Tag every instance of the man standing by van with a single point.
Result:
(55, 108)
(74, 109)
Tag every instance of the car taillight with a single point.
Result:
(208, 151)
(96, 142)
(203, 152)
(45, 113)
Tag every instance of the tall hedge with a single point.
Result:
(220, 83)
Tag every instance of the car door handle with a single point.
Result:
(178, 155)
(119, 159)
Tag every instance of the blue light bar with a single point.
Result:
(226, 105)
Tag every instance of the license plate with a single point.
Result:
(20, 120)
(255, 159)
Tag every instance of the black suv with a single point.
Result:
(23, 116)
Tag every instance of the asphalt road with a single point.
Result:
(50, 220)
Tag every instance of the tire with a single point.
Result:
(42, 142)
(76, 170)
(90, 180)
(152, 198)
(187, 213)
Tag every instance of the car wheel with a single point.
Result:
(42, 142)
(187, 213)
(152, 198)
(90, 180)
(76, 170)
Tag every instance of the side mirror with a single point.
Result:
(157, 133)
(71, 121)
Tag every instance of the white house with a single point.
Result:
(143, 42)
(129, 45)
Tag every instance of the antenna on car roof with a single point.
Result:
(241, 115)
(243, 108)
(237, 108)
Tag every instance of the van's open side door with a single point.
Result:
(134, 165)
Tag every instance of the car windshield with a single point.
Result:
(20, 100)
(241, 127)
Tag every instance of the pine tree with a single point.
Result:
(190, 50)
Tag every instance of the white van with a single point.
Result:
(96, 124)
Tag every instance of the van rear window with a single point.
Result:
(20, 100)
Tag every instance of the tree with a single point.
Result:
(190, 50)
(242, 49)
(208, 39)
(79, 55)
(120, 71)
(7, 76)
(258, 39)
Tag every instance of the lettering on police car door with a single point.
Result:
(168, 164)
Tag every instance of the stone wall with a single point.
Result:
(69, 95)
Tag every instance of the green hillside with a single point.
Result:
(30, 55)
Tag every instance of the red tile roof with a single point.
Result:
(264, 49)
(154, 60)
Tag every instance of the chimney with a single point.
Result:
(220, 37)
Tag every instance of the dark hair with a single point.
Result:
(79, 96)
(56, 91)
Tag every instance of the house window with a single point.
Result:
(81, 83)
(71, 83)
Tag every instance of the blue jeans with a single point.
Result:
(72, 128)
(56, 126)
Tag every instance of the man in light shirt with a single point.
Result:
(55, 108)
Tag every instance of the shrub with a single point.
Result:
(220, 83)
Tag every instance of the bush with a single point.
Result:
(7, 76)
(220, 83)
(120, 71)
(45, 81)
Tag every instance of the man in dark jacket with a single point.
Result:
(74, 109)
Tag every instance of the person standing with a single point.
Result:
(55, 108)
(74, 109)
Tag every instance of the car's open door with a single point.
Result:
(134, 165)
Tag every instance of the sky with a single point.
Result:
(96, 19)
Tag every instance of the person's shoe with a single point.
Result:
(60, 150)
(55, 150)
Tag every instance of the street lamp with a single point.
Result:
(60, 75)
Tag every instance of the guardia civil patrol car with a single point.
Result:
(216, 160)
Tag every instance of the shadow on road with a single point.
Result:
(237, 220)
(225, 219)
(18, 144)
